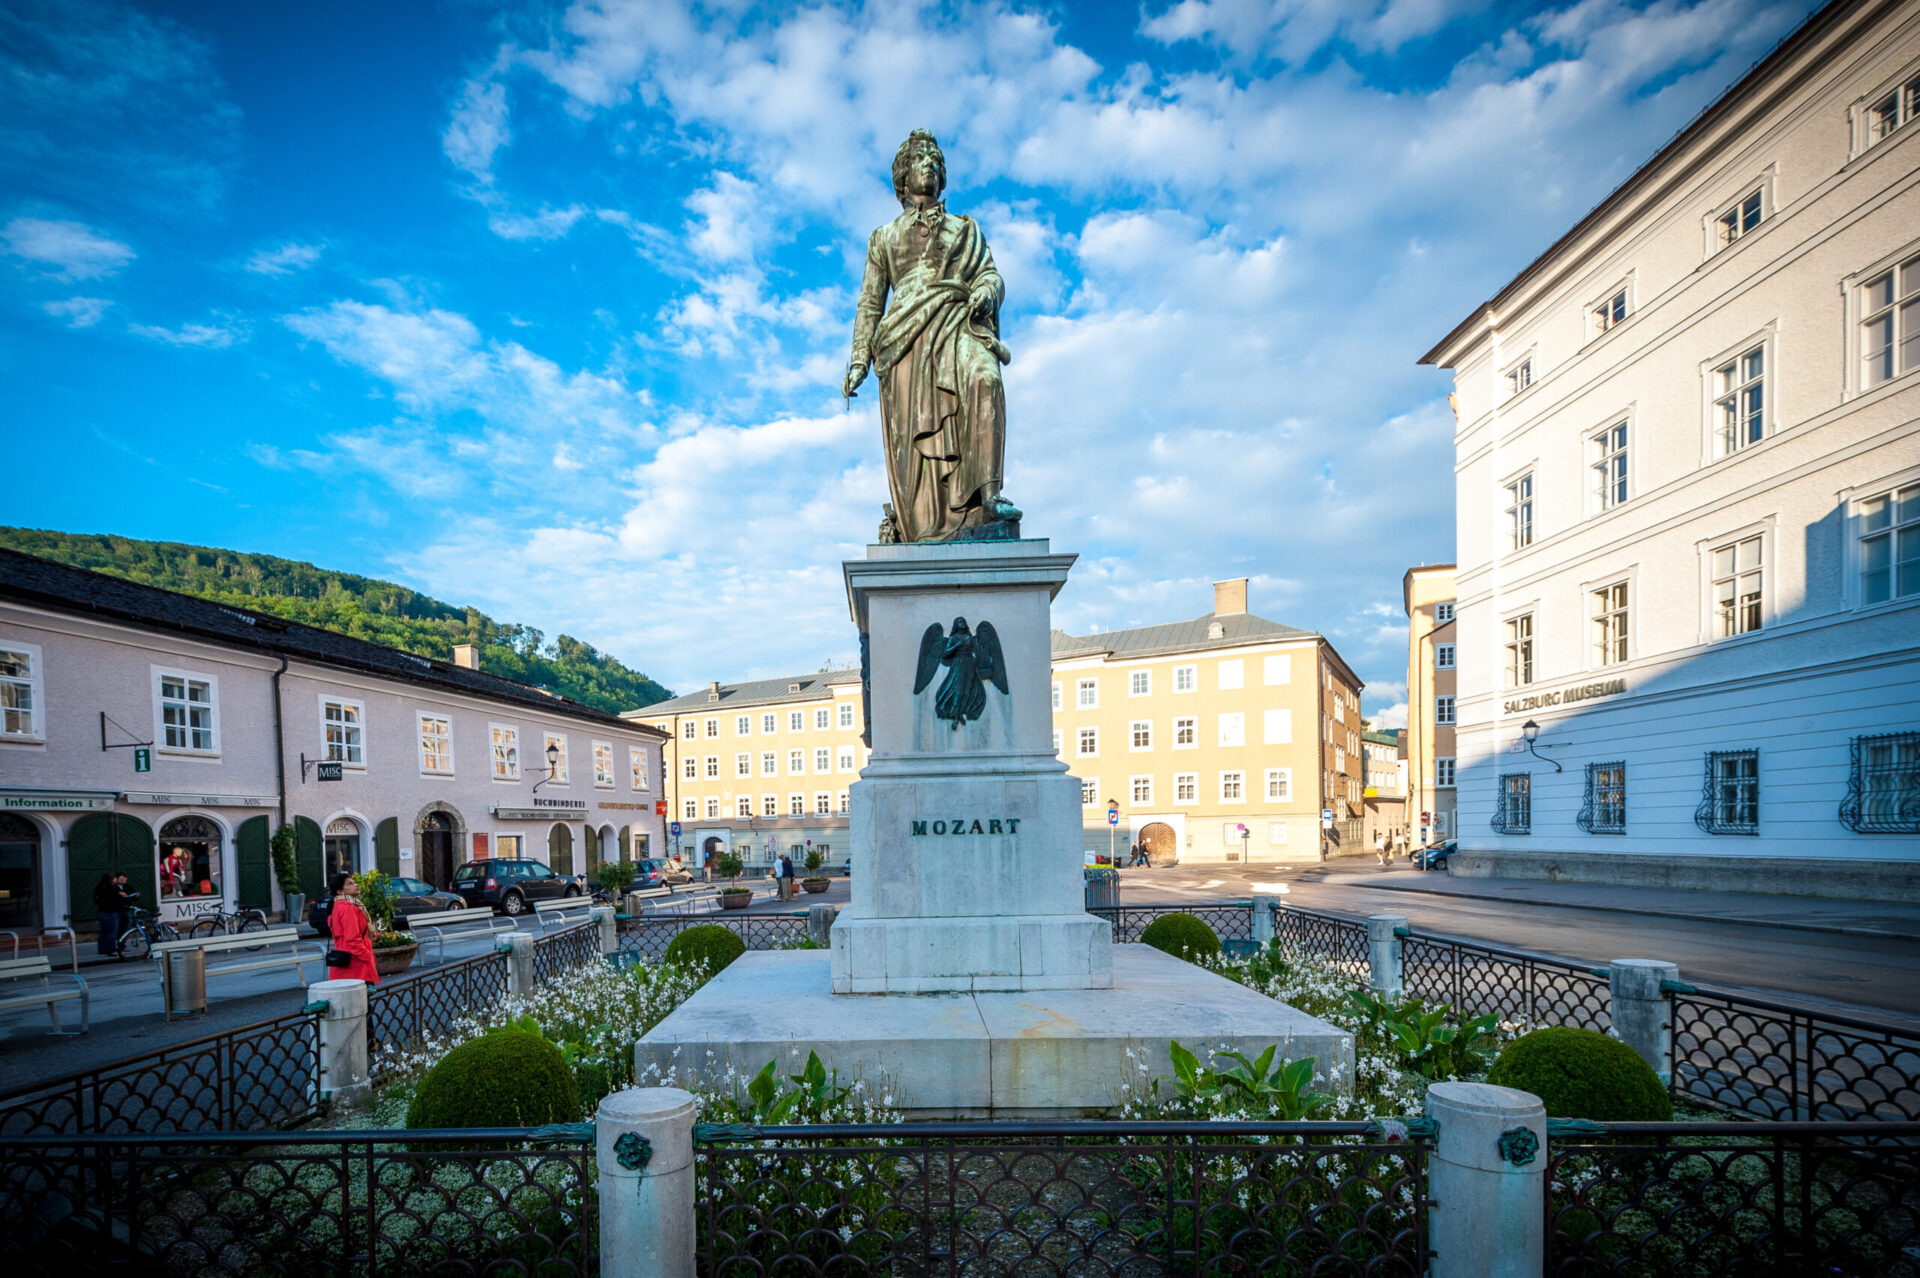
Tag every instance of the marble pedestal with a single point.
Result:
(1000, 1054)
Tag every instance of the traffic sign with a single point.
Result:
(143, 760)
(1326, 814)
(674, 829)
(1113, 816)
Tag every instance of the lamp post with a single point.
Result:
(1531, 731)
(553, 765)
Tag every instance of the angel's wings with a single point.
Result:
(932, 645)
(987, 658)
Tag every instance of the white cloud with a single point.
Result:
(1391, 718)
(287, 259)
(478, 128)
(547, 224)
(66, 250)
(205, 336)
(78, 312)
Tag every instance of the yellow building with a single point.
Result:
(1432, 668)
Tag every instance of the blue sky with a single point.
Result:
(543, 308)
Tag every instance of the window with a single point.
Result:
(20, 692)
(1520, 376)
(769, 805)
(1731, 801)
(796, 762)
(1604, 809)
(1186, 733)
(846, 759)
(1276, 832)
(823, 804)
(713, 767)
(1086, 694)
(1276, 727)
(1276, 669)
(1737, 585)
(1890, 545)
(846, 714)
(845, 808)
(822, 718)
(769, 763)
(1279, 785)
(1520, 650)
(823, 759)
(1233, 729)
(690, 810)
(1443, 771)
(506, 752)
(742, 724)
(1339, 759)
(1233, 787)
(1056, 695)
(436, 745)
(637, 761)
(1142, 789)
(1443, 709)
(1893, 112)
(603, 764)
(1089, 792)
(1610, 312)
(557, 743)
(1607, 452)
(1140, 734)
(1513, 806)
(796, 805)
(187, 709)
(1139, 683)
(743, 765)
(1739, 405)
(1883, 786)
(1089, 742)
(1520, 513)
(1056, 743)
(796, 721)
(690, 768)
(1890, 324)
(713, 808)
(687, 730)
(1609, 614)
(1186, 787)
(1233, 674)
(743, 806)
(766, 724)
(341, 722)
(1443, 656)
(713, 727)
(1443, 613)
(1186, 678)
(1737, 220)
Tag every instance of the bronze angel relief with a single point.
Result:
(972, 659)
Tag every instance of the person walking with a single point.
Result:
(110, 909)
(786, 877)
(351, 929)
(1383, 849)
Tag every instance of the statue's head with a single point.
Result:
(919, 161)
(960, 626)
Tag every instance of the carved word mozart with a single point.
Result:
(977, 825)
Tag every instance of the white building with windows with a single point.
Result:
(1688, 501)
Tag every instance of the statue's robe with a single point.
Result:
(943, 409)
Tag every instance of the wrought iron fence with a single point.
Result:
(1660, 1199)
(1776, 1061)
(1531, 989)
(308, 1203)
(988, 1199)
(646, 938)
(558, 953)
(256, 1076)
(1230, 920)
(1333, 937)
(404, 1012)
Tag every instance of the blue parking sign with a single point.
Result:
(674, 829)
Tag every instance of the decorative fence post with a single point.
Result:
(644, 1138)
(1263, 912)
(1384, 953)
(609, 930)
(1487, 1182)
(1642, 1012)
(345, 1077)
(820, 923)
(518, 947)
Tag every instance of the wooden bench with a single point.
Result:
(248, 952)
(457, 925)
(23, 994)
(50, 935)
(568, 909)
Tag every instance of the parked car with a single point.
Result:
(512, 887)
(653, 873)
(410, 896)
(1435, 857)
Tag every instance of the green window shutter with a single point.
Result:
(308, 857)
(386, 847)
(560, 850)
(101, 842)
(626, 845)
(256, 864)
(590, 851)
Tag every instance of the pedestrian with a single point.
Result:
(1146, 854)
(107, 909)
(1383, 849)
(786, 877)
(350, 952)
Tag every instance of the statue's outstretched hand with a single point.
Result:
(856, 373)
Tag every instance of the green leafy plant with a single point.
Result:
(812, 1090)
(1183, 936)
(708, 945)
(1284, 1091)
(285, 846)
(1580, 1073)
(1427, 1040)
(728, 866)
(505, 1078)
(376, 898)
(613, 876)
(815, 859)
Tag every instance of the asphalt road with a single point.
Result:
(1874, 976)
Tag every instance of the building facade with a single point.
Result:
(1688, 488)
(1385, 785)
(763, 767)
(1432, 702)
(168, 736)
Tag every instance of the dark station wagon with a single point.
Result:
(512, 887)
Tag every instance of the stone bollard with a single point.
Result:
(345, 1075)
(1384, 953)
(609, 929)
(644, 1144)
(518, 947)
(1263, 920)
(820, 923)
(1486, 1182)
(1642, 1012)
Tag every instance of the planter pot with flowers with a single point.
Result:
(729, 867)
(393, 952)
(816, 882)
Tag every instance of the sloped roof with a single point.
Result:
(755, 692)
(1237, 628)
(86, 593)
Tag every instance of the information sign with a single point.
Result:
(143, 759)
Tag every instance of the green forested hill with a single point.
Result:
(364, 607)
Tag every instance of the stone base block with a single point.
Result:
(962, 955)
(1044, 1054)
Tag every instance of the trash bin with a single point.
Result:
(186, 982)
(1103, 888)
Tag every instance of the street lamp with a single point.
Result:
(1531, 731)
(553, 765)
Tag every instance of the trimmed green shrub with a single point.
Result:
(1579, 1073)
(1181, 935)
(709, 945)
(505, 1078)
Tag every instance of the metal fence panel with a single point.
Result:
(646, 937)
(1530, 989)
(1230, 920)
(560, 952)
(1773, 1060)
(400, 1013)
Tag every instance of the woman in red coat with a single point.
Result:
(352, 932)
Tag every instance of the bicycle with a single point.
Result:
(148, 928)
(230, 923)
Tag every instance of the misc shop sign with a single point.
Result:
(964, 825)
(1565, 696)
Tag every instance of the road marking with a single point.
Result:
(1277, 889)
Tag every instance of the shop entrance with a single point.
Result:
(108, 843)
(343, 848)
(190, 869)
(1159, 842)
(19, 874)
(436, 849)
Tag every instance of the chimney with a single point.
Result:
(713, 691)
(466, 656)
(1229, 596)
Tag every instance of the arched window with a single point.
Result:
(189, 858)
